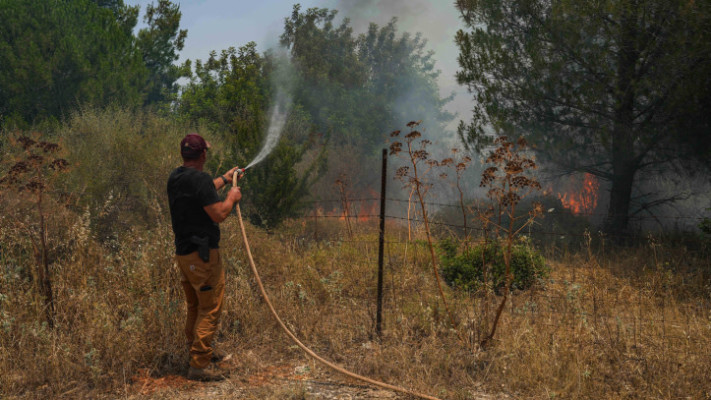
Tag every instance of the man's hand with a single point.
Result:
(229, 174)
(226, 178)
(219, 211)
(234, 195)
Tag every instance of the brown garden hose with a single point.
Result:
(294, 338)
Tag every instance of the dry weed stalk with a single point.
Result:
(409, 210)
(28, 177)
(415, 179)
(343, 182)
(508, 184)
(459, 166)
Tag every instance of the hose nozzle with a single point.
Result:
(238, 174)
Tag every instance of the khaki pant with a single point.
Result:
(204, 286)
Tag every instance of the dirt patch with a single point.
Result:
(145, 384)
(273, 374)
(287, 381)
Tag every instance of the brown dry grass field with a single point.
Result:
(631, 322)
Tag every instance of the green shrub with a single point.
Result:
(463, 269)
(705, 225)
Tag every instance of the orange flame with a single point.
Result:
(360, 210)
(367, 211)
(584, 201)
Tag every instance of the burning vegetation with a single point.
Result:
(582, 196)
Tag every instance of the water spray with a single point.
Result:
(276, 126)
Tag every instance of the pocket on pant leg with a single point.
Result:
(194, 270)
(210, 307)
(207, 297)
(211, 289)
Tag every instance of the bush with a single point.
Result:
(120, 160)
(705, 225)
(464, 269)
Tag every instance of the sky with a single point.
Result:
(219, 24)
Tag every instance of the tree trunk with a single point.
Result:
(624, 163)
(620, 194)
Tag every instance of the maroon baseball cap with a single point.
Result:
(193, 145)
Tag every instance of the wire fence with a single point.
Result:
(471, 207)
(570, 310)
(356, 205)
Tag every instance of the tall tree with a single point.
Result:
(600, 86)
(402, 78)
(58, 54)
(358, 87)
(232, 94)
(160, 43)
(329, 77)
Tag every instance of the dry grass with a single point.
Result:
(622, 323)
(606, 326)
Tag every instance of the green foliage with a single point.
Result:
(705, 225)
(465, 269)
(358, 87)
(160, 43)
(273, 190)
(59, 54)
(231, 95)
(608, 88)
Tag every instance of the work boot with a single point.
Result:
(210, 373)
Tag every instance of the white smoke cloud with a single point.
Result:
(437, 20)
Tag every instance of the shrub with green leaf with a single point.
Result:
(464, 268)
(705, 225)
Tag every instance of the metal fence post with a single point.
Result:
(381, 243)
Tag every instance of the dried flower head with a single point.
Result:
(26, 142)
(402, 172)
(488, 176)
(413, 135)
(420, 154)
(35, 159)
(513, 167)
(19, 168)
(34, 185)
(536, 210)
(48, 147)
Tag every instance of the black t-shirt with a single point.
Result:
(189, 190)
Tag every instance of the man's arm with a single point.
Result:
(219, 182)
(219, 211)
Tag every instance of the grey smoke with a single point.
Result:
(437, 21)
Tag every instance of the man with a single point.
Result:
(195, 211)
